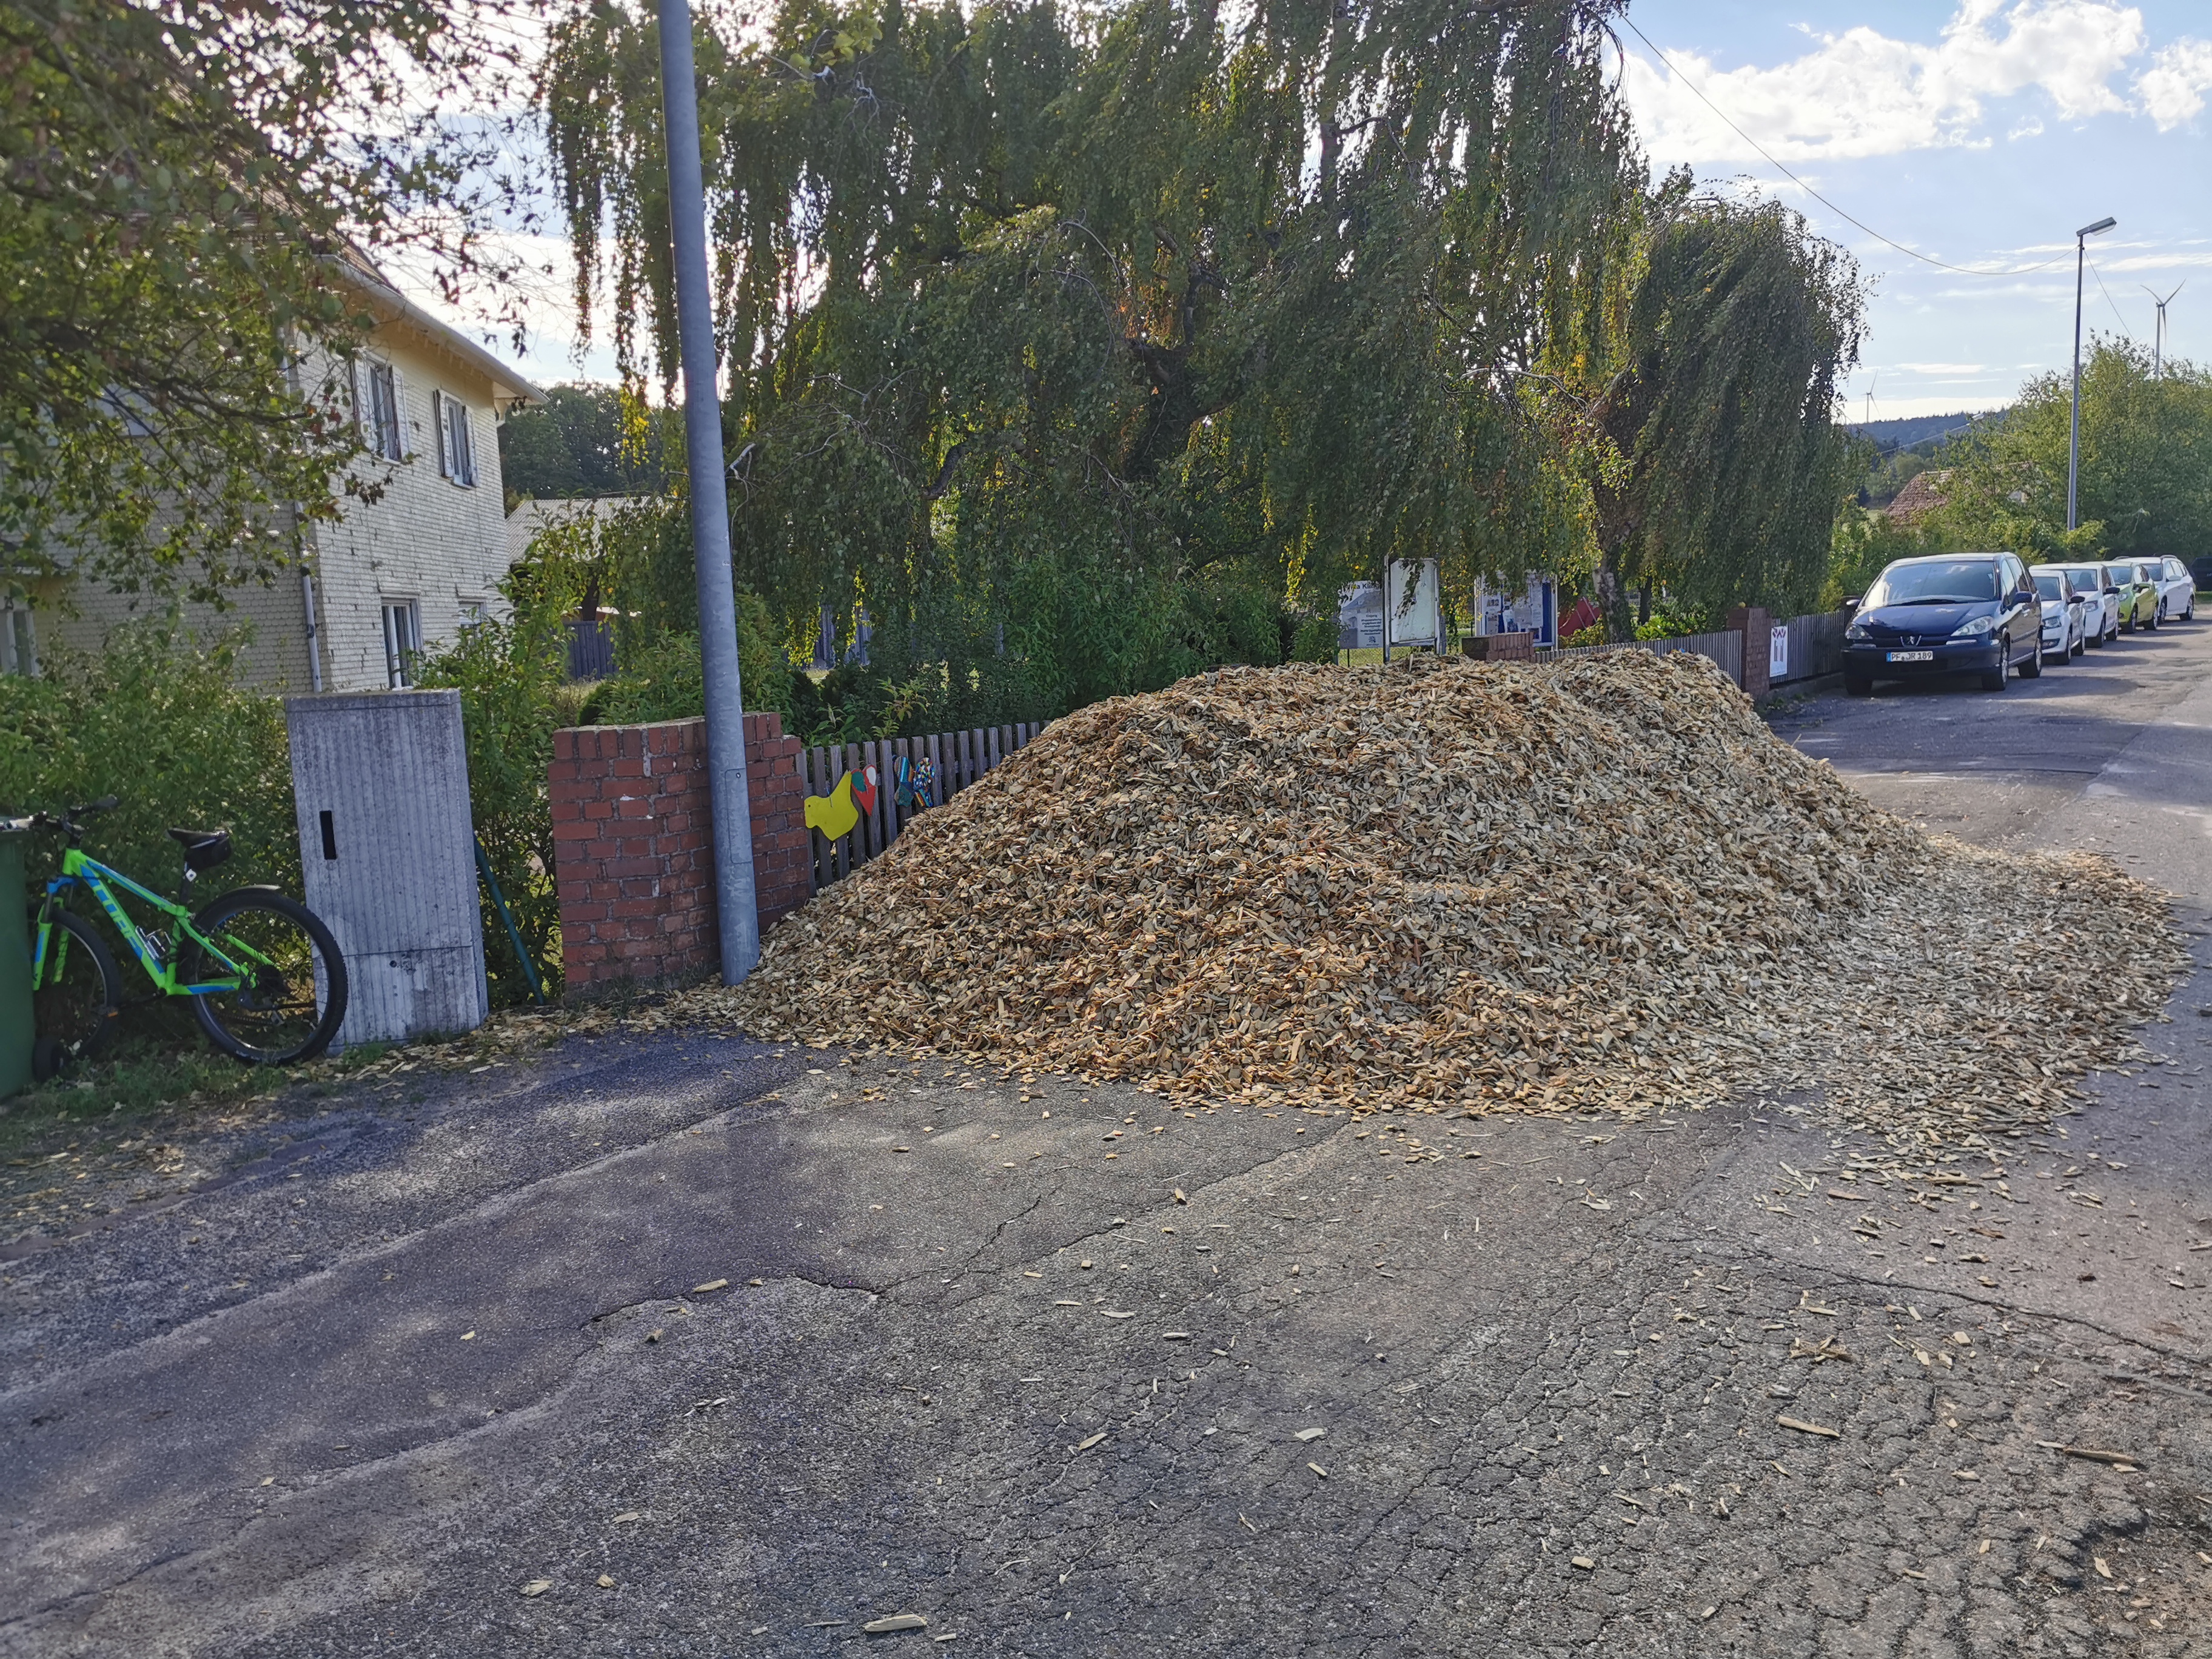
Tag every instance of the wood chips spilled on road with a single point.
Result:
(1456, 886)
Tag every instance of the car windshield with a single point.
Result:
(2122, 573)
(2087, 578)
(1939, 581)
(2050, 587)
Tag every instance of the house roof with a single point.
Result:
(392, 308)
(1923, 494)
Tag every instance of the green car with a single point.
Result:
(2139, 595)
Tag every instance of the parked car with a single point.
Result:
(2065, 614)
(2138, 594)
(2095, 582)
(2177, 589)
(1952, 613)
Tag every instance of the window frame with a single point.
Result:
(403, 641)
(457, 447)
(376, 410)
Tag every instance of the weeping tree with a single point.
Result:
(1105, 341)
(1703, 385)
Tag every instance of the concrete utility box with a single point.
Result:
(388, 846)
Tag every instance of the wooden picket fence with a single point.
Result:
(958, 759)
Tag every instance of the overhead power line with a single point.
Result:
(1913, 253)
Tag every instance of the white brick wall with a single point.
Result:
(428, 539)
(440, 543)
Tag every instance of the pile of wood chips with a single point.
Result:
(1456, 885)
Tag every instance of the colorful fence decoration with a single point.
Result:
(911, 775)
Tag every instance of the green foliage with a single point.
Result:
(1715, 462)
(511, 676)
(1076, 349)
(588, 440)
(1672, 618)
(180, 186)
(157, 720)
(2146, 482)
(663, 679)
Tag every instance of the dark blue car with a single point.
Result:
(1952, 613)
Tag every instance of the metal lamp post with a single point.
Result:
(2074, 441)
(736, 907)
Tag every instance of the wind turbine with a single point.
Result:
(2158, 334)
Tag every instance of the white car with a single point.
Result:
(2065, 614)
(2103, 594)
(2177, 589)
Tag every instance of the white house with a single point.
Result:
(394, 576)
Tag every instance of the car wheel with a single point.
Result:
(2157, 615)
(2031, 665)
(1858, 685)
(1993, 679)
(2082, 645)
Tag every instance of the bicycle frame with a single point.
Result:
(101, 882)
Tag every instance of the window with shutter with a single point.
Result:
(381, 431)
(460, 444)
(403, 641)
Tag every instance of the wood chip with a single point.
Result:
(895, 1621)
(1086, 1445)
(1318, 1470)
(1804, 1427)
(710, 1286)
(2126, 1460)
(537, 1586)
(1284, 885)
(1310, 1434)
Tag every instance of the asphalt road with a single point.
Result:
(1042, 1365)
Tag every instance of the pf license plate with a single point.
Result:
(1912, 656)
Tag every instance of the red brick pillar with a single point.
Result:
(783, 852)
(1757, 628)
(634, 853)
(1501, 648)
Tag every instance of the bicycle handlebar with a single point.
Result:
(66, 820)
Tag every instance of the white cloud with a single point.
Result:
(2172, 88)
(1862, 92)
(1946, 368)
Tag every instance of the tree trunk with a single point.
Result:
(1612, 599)
(1643, 602)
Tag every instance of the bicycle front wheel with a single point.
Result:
(75, 1008)
(288, 995)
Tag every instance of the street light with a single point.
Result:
(2073, 443)
(736, 910)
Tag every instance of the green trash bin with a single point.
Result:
(15, 960)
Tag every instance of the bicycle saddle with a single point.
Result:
(204, 849)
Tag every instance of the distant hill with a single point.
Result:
(1916, 428)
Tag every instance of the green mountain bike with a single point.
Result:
(266, 979)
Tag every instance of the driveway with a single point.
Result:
(680, 1345)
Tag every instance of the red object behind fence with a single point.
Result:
(633, 855)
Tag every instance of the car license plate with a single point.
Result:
(1912, 656)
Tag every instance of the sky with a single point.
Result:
(1980, 133)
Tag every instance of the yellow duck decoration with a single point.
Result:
(837, 813)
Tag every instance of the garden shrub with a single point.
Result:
(512, 675)
(156, 719)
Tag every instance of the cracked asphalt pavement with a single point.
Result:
(683, 1345)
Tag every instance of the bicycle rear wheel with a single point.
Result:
(290, 994)
(78, 1002)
